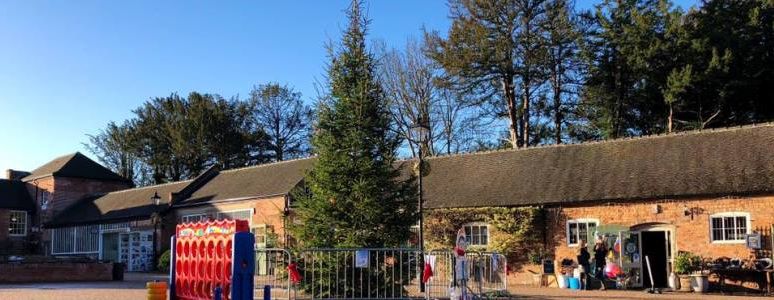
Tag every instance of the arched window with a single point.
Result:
(477, 233)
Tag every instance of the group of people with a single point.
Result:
(584, 257)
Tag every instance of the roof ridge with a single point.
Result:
(148, 186)
(611, 141)
(267, 164)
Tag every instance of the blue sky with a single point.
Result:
(67, 68)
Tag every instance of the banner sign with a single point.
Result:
(361, 259)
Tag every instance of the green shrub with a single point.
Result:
(686, 262)
(163, 264)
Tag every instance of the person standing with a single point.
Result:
(600, 253)
(583, 262)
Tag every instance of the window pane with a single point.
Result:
(730, 229)
(717, 223)
(484, 235)
(582, 231)
(741, 227)
(717, 234)
(573, 233)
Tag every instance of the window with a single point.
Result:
(580, 229)
(237, 215)
(477, 234)
(17, 223)
(193, 218)
(76, 240)
(729, 227)
(262, 232)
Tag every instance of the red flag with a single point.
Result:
(427, 273)
(295, 277)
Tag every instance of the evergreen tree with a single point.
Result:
(630, 57)
(355, 195)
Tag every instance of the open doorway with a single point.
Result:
(655, 248)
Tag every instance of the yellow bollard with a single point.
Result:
(157, 290)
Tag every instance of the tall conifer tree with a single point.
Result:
(355, 195)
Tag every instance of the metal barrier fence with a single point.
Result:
(385, 273)
(271, 270)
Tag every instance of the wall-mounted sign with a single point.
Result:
(753, 240)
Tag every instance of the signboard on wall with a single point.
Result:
(753, 241)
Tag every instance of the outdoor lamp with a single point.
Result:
(155, 199)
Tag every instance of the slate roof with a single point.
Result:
(74, 165)
(119, 206)
(14, 195)
(711, 162)
(259, 181)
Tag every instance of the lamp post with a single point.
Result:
(155, 219)
(422, 134)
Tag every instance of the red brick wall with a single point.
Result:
(691, 234)
(65, 191)
(53, 272)
(267, 211)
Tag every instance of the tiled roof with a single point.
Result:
(252, 182)
(74, 165)
(125, 205)
(711, 162)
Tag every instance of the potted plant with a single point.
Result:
(699, 280)
(683, 266)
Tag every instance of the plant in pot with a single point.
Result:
(699, 279)
(683, 266)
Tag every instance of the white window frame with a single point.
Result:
(476, 224)
(185, 217)
(578, 221)
(11, 223)
(734, 214)
(249, 221)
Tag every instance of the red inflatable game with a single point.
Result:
(212, 254)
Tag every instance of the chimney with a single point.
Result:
(12, 174)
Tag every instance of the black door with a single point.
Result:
(654, 247)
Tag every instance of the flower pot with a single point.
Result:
(700, 283)
(685, 283)
(674, 282)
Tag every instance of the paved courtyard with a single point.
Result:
(133, 287)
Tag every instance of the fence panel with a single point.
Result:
(373, 274)
(271, 270)
(369, 274)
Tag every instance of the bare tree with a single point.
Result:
(281, 113)
(408, 81)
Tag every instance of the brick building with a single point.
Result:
(30, 199)
(701, 192)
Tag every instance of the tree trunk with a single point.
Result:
(512, 116)
(525, 116)
(669, 120)
(557, 110)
